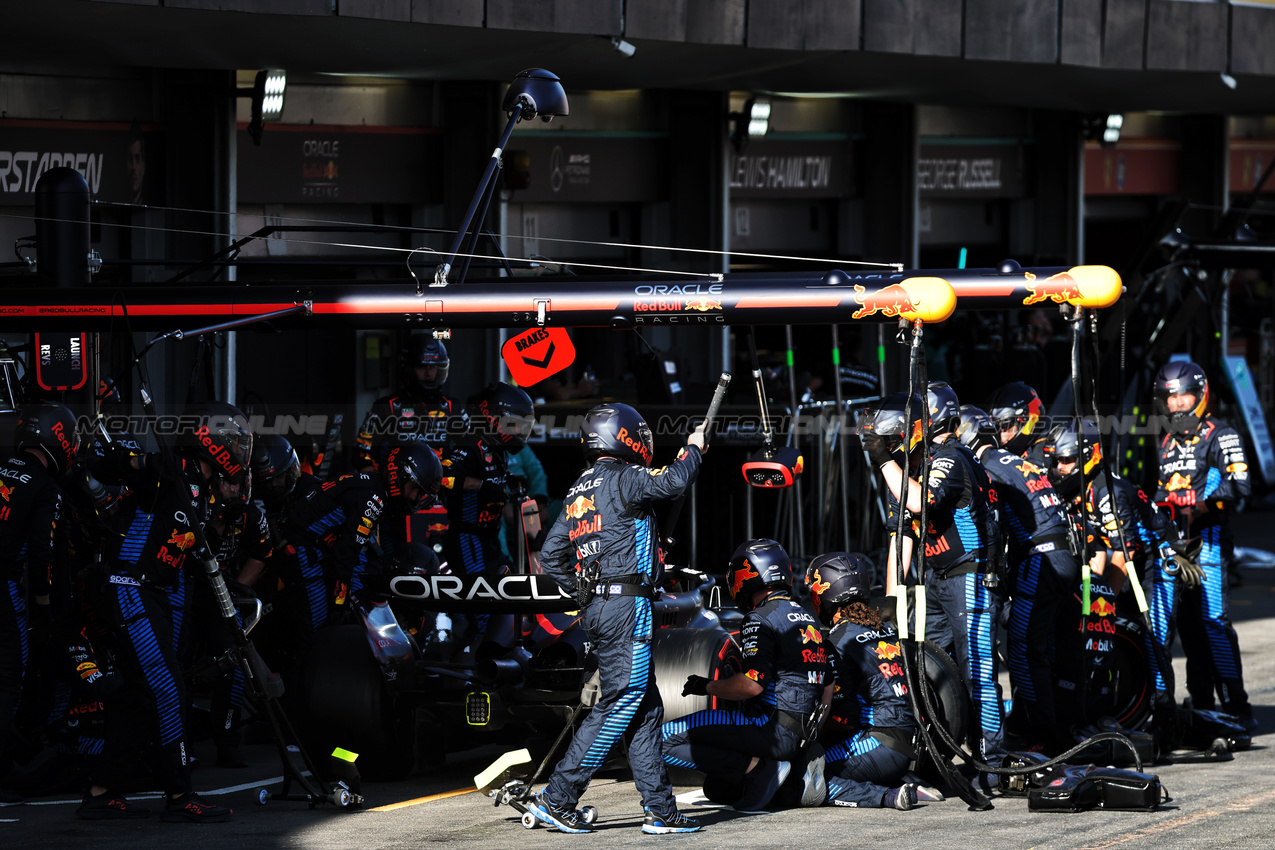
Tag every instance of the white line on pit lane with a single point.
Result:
(155, 795)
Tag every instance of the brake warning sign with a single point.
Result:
(538, 353)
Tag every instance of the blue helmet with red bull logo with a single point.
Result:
(619, 431)
(1016, 407)
(836, 579)
(48, 429)
(1182, 377)
(757, 564)
(222, 438)
(421, 349)
(411, 468)
(503, 415)
(1066, 450)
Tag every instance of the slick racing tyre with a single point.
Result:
(950, 700)
(342, 701)
(678, 653)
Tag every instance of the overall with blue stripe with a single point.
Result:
(961, 612)
(30, 513)
(871, 704)
(328, 532)
(142, 604)
(475, 517)
(1203, 475)
(1043, 573)
(1147, 531)
(607, 520)
(783, 651)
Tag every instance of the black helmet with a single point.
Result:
(93, 505)
(1066, 449)
(503, 416)
(221, 438)
(49, 428)
(944, 407)
(888, 420)
(416, 559)
(976, 429)
(1182, 376)
(412, 462)
(421, 349)
(619, 431)
(756, 565)
(836, 579)
(1016, 406)
(275, 466)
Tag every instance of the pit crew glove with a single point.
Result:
(877, 452)
(696, 686)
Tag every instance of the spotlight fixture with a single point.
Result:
(1111, 134)
(627, 48)
(1228, 81)
(753, 122)
(267, 100)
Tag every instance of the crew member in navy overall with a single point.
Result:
(784, 689)
(962, 611)
(1203, 474)
(1043, 567)
(139, 602)
(871, 733)
(608, 528)
(419, 412)
(30, 516)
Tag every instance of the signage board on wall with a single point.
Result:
(792, 168)
(112, 157)
(971, 171)
(1136, 167)
(584, 167)
(332, 164)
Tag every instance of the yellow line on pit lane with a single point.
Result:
(403, 805)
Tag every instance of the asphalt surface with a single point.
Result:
(1217, 804)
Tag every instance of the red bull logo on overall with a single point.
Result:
(890, 301)
(581, 506)
(811, 635)
(887, 651)
(1061, 288)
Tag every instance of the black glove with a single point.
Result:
(1189, 572)
(878, 454)
(696, 686)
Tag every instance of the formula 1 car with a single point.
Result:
(400, 700)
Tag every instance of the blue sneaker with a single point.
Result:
(654, 824)
(565, 818)
(761, 785)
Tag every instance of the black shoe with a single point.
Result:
(761, 785)
(191, 808)
(654, 824)
(901, 798)
(565, 818)
(109, 806)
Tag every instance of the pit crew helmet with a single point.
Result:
(619, 431)
(836, 579)
(944, 407)
(976, 429)
(421, 349)
(1066, 449)
(503, 415)
(888, 420)
(1182, 376)
(415, 463)
(275, 466)
(221, 438)
(48, 428)
(757, 564)
(1016, 407)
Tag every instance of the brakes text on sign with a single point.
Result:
(538, 353)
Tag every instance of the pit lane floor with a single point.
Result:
(1221, 804)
